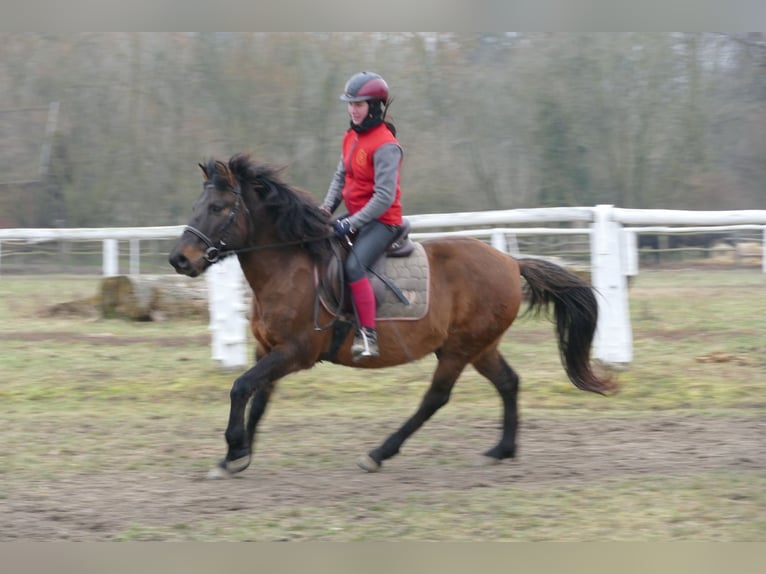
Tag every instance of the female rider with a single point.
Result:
(367, 181)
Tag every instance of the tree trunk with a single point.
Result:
(146, 298)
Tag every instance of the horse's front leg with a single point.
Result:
(258, 383)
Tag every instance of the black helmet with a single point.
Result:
(365, 86)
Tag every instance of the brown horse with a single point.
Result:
(282, 238)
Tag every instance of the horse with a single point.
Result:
(283, 240)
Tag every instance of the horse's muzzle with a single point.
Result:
(182, 265)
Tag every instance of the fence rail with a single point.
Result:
(611, 232)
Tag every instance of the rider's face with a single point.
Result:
(358, 111)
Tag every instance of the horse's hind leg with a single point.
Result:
(492, 365)
(437, 395)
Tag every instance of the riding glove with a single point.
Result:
(342, 227)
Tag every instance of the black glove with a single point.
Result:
(342, 227)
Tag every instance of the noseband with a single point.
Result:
(215, 250)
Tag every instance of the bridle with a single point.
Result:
(215, 250)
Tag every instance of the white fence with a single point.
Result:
(613, 257)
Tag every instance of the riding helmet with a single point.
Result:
(365, 86)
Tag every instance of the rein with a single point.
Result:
(216, 251)
(277, 245)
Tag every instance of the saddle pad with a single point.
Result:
(411, 275)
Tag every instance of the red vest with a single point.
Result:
(358, 150)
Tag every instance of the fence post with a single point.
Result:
(227, 308)
(613, 342)
(630, 253)
(135, 256)
(110, 258)
(498, 241)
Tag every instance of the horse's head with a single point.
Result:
(217, 225)
(245, 206)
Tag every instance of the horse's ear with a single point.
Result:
(204, 171)
(222, 169)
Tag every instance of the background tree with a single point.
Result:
(488, 121)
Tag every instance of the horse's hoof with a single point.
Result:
(228, 468)
(367, 463)
(218, 473)
(484, 460)
(238, 464)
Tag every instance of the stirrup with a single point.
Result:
(365, 343)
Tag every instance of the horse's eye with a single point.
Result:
(215, 209)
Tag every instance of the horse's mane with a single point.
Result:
(293, 212)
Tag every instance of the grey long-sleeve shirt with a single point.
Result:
(386, 161)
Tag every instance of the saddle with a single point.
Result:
(399, 280)
(401, 245)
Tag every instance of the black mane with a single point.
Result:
(293, 212)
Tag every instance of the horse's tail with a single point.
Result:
(576, 314)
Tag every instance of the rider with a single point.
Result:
(367, 181)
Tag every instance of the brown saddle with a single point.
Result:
(401, 245)
(333, 290)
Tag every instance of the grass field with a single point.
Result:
(109, 427)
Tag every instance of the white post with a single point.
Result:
(110, 258)
(613, 342)
(498, 241)
(513, 245)
(135, 256)
(630, 252)
(226, 304)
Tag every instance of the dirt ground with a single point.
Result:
(585, 451)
